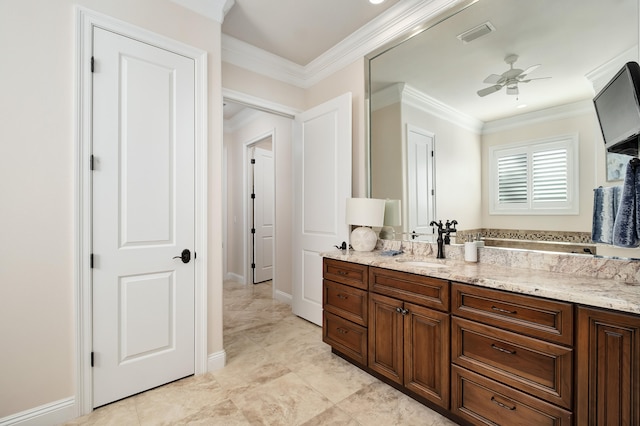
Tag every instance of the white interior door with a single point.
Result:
(263, 215)
(321, 185)
(420, 205)
(143, 216)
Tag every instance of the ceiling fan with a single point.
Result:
(509, 78)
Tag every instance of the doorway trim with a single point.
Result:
(85, 21)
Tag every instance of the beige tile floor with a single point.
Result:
(278, 372)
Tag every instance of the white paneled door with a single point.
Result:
(420, 196)
(322, 183)
(143, 217)
(263, 217)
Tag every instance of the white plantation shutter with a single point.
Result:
(550, 176)
(538, 177)
(513, 179)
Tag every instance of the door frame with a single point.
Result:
(247, 205)
(85, 21)
(271, 107)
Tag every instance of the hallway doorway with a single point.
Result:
(252, 132)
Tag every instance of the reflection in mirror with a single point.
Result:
(494, 73)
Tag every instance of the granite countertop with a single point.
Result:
(598, 292)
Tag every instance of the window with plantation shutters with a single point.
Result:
(535, 177)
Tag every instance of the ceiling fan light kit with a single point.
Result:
(509, 79)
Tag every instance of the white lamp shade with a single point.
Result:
(365, 212)
(392, 213)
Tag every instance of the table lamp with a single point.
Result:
(364, 213)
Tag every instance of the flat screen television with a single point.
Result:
(618, 109)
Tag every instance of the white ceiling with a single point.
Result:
(298, 30)
(569, 38)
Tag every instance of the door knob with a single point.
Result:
(185, 256)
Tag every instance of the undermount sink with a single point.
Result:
(421, 263)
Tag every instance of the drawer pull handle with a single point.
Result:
(342, 330)
(504, 311)
(500, 404)
(342, 296)
(343, 273)
(506, 351)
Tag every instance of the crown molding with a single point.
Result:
(408, 95)
(247, 56)
(600, 76)
(549, 114)
(417, 99)
(395, 22)
(212, 9)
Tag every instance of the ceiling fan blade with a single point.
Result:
(529, 70)
(489, 90)
(493, 79)
(537, 78)
(512, 90)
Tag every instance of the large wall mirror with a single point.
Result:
(436, 110)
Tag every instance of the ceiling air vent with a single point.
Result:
(476, 32)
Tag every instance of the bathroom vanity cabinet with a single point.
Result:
(481, 355)
(345, 304)
(608, 368)
(500, 338)
(409, 332)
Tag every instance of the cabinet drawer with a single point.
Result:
(542, 318)
(539, 368)
(347, 302)
(483, 401)
(348, 273)
(425, 291)
(344, 336)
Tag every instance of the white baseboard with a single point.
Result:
(216, 361)
(54, 413)
(283, 297)
(235, 277)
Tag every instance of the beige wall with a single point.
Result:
(458, 165)
(592, 174)
(37, 321)
(585, 126)
(254, 84)
(235, 142)
(386, 152)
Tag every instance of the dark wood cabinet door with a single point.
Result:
(608, 368)
(385, 336)
(426, 353)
